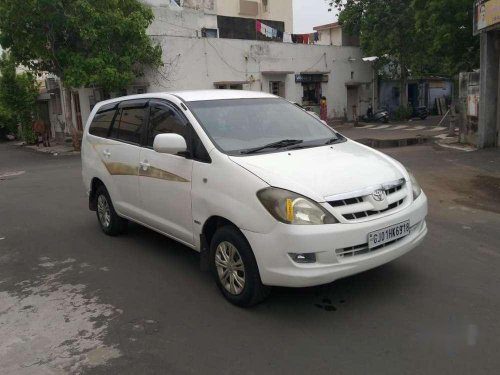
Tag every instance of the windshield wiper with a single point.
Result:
(331, 141)
(279, 144)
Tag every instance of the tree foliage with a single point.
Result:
(445, 27)
(84, 42)
(18, 94)
(423, 36)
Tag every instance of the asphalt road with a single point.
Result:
(73, 300)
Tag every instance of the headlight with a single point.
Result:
(292, 208)
(414, 186)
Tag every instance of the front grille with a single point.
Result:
(360, 207)
(352, 251)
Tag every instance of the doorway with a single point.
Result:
(413, 95)
(44, 115)
(352, 103)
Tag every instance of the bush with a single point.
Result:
(402, 113)
(18, 94)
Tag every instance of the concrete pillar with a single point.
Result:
(488, 106)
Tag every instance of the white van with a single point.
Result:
(269, 194)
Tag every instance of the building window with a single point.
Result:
(277, 88)
(209, 33)
(236, 86)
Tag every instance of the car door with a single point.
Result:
(165, 179)
(121, 155)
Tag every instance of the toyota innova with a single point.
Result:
(269, 194)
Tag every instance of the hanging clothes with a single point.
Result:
(305, 38)
(316, 36)
(263, 29)
(280, 35)
(275, 33)
(294, 38)
(287, 38)
(269, 32)
(300, 39)
(258, 26)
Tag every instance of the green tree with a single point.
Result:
(83, 42)
(386, 29)
(445, 26)
(18, 94)
(417, 36)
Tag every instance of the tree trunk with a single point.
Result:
(68, 97)
(403, 97)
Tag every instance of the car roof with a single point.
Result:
(194, 96)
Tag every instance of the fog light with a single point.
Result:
(303, 257)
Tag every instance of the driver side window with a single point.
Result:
(163, 119)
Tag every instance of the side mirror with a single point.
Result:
(169, 144)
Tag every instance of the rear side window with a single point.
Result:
(129, 123)
(102, 121)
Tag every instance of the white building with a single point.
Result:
(214, 44)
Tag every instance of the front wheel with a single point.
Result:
(110, 222)
(235, 269)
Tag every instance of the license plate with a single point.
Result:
(392, 233)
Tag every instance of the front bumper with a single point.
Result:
(277, 268)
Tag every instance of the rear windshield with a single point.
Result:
(239, 125)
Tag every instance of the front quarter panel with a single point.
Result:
(223, 188)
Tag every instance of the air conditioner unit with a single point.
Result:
(249, 8)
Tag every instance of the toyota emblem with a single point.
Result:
(378, 195)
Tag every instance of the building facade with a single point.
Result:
(487, 25)
(249, 45)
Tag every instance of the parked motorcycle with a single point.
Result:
(382, 115)
(421, 112)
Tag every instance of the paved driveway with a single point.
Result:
(75, 301)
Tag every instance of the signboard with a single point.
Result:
(473, 105)
(311, 78)
(486, 15)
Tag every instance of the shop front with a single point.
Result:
(312, 89)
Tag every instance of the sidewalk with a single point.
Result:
(55, 150)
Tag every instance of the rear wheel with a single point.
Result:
(235, 269)
(110, 222)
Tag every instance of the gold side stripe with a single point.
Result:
(121, 169)
(158, 173)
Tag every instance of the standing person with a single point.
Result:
(46, 135)
(323, 109)
(39, 130)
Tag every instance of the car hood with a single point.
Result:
(321, 172)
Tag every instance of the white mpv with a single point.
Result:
(269, 194)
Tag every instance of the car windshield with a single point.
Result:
(246, 126)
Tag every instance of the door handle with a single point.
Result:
(106, 153)
(144, 165)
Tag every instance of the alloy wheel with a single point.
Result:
(230, 267)
(104, 211)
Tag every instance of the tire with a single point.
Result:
(230, 248)
(108, 219)
(385, 120)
